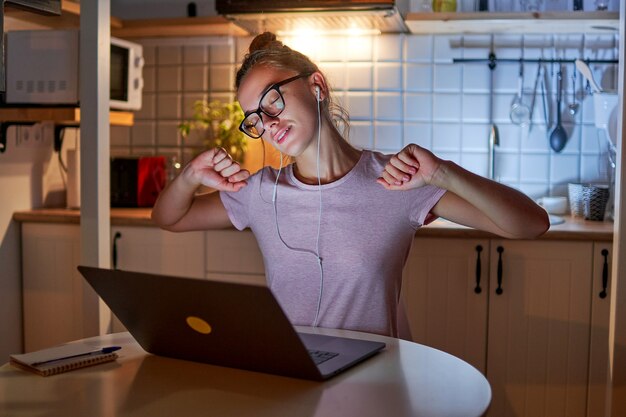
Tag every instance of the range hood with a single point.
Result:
(329, 16)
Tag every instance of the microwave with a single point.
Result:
(42, 67)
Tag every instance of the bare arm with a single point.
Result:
(178, 209)
(471, 200)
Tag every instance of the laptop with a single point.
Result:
(228, 324)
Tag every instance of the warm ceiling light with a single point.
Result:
(327, 32)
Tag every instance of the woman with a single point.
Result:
(336, 226)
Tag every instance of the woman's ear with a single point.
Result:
(318, 86)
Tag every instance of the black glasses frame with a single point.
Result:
(259, 110)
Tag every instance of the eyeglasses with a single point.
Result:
(272, 103)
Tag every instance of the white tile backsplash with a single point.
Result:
(402, 89)
(143, 134)
(222, 77)
(362, 135)
(331, 49)
(169, 55)
(360, 48)
(446, 137)
(388, 106)
(360, 76)
(418, 107)
(168, 106)
(359, 105)
(475, 108)
(195, 78)
(475, 137)
(418, 133)
(388, 77)
(388, 136)
(169, 79)
(419, 48)
(446, 108)
(447, 78)
(149, 79)
(446, 48)
(168, 134)
(418, 77)
(388, 48)
(148, 107)
(195, 54)
(335, 75)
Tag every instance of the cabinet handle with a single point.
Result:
(479, 249)
(499, 289)
(118, 235)
(605, 273)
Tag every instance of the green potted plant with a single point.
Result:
(221, 123)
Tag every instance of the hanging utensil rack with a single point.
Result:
(492, 60)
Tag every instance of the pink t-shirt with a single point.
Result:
(365, 237)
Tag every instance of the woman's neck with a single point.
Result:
(337, 158)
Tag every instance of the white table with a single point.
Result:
(405, 379)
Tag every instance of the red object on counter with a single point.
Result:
(150, 180)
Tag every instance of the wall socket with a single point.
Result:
(39, 135)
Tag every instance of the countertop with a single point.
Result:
(572, 229)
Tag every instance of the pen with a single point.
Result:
(102, 351)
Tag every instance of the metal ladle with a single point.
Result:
(558, 136)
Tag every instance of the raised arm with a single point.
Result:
(471, 200)
(179, 209)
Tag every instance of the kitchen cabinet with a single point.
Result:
(58, 304)
(150, 249)
(539, 327)
(542, 341)
(232, 255)
(599, 346)
(526, 23)
(445, 291)
(56, 299)
(16, 19)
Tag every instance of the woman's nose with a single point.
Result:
(268, 121)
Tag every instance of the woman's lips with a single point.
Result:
(281, 135)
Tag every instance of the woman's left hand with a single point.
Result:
(412, 167)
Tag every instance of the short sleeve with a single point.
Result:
(421, 201)
(237, 204)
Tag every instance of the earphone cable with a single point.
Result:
(315, 253)
(319, 219)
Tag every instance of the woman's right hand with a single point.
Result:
(216, 169)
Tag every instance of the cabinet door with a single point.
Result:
(234, 256)
(539, 316)
(599, 346)
(149, 249)
(59, 306)
(445, 290)
(152, 250)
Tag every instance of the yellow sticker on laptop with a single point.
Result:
(199, 325)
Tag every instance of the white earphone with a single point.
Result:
(316, 252)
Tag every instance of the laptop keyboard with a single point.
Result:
(319, 356)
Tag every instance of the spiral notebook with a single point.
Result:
(61, 359)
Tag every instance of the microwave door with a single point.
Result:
(119, 73)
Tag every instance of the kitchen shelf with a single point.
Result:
(17, 19)
(186, 26)
(62, 115)
(538, 22)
